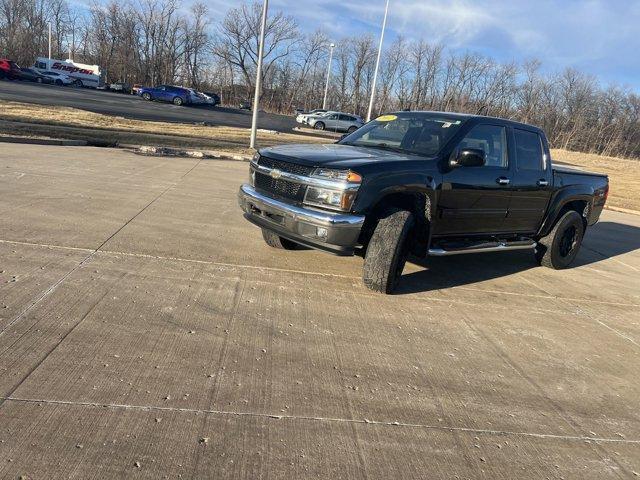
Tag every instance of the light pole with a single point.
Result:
(256, 96)
(375, 73)
(326, 86)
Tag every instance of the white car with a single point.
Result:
(59, 78)
(304, 117)
(199, 98)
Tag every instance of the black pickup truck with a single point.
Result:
(423, 183)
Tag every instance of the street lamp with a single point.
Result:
(326, 86)
(375, 73)
(256, 96)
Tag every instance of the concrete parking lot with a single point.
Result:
(133, 107)
(147, 332)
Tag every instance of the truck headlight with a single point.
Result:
(333, 199)
(339, 193)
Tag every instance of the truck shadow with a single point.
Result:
(604, 240)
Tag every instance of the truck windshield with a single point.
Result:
(419, 133)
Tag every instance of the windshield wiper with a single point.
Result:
(382, 146)
(386, 146)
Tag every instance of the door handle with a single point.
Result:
(542, 183)
(503, 180)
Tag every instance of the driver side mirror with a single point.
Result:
(469, 157)
(342, 137)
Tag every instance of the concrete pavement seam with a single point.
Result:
(583, 313)
(304, 272)
(364, 421)
(49, 290)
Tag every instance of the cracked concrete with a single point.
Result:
(140, 314)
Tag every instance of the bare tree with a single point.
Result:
(238, 40)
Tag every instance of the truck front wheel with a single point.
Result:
(276, 241)
(387, 251)
(558, 249)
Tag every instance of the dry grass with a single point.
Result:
(624, 175)
(70, 123)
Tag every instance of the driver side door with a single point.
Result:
(475, 200)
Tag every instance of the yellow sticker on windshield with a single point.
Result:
(387, 118)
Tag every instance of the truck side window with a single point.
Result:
(528, 150)
(490, 138)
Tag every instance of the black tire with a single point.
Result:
(78, 84)
(276, 241)
(319, 126)
(60, 83)
(146, 96)
(39, 80)
(177, 101)
(352, 129)
(558, 249)
(387, 251)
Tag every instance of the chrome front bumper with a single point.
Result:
(334, 232)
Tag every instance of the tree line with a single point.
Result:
(159, 41)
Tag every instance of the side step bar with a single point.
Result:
(484, 247)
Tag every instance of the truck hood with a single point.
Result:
(333, 155)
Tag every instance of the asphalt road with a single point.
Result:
(146, 331)
(130, 106)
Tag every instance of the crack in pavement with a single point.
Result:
(364, 421)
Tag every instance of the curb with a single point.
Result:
(175, 152)
(44, 141)
(317, 133)
(622, 210)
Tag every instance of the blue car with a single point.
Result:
(166, 93)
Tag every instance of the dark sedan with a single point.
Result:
(31, 75)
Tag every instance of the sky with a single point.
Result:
(599, 37)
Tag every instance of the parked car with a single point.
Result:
(213, 98)
(424, 183)
(31, 75)
(167, 93)
(9, 69)
(197, 98)
(120, 87)
(335, 122)
(302, 117)
(245, 105)
(59, 78)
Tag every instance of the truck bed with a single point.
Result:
(571, 170)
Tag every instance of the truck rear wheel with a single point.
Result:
(558, 249)
(276, 241)
(387, 251)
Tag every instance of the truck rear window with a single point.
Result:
(528, 150)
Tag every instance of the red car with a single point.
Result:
(9, 69)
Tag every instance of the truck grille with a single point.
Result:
(279, 187)
(285, 166)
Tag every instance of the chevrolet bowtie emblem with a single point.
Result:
(275, 173)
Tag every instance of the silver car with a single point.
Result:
(336, 122)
